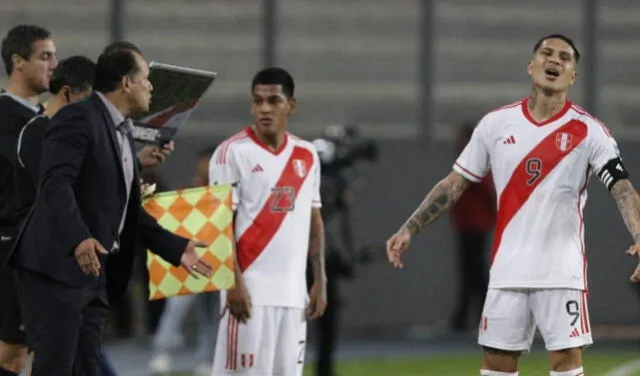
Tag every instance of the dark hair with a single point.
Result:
(275, 76)
(77, 72)
(116, 61)
(566, 39)
(19, 41)
(121, 46)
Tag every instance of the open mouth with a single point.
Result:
(552, 72)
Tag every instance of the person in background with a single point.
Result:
(29, 56)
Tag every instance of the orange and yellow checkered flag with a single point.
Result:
(205, 214)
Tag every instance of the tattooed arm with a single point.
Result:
(318, 293)
(629, 205)
(441, 197)
(438, 200)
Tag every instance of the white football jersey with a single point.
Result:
(540, 172)
(273, 197)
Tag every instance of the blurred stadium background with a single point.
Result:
(406, 72)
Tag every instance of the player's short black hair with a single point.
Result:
(122, 45)
(19, 41)
(116, 61)
(566, 39)
(275, 76)
(77, 72)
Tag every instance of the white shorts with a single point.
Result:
(510, 317)
(271, 343)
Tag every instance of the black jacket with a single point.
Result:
(82, 194)
(13, 116)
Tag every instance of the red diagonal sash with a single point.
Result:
(265, 225)
(532, 170)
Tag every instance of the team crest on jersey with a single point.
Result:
(563, 141)
(300, 167)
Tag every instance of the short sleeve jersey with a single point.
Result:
(540, 171)
(273, 196)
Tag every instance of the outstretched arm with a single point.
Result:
(438, 200)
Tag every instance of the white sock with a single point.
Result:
(573, 372)
(485, 372)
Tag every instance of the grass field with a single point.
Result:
(535, 364)
(596, 364)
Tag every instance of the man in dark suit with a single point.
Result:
(76, 250)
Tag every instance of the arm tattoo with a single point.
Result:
(441, 197)
(316, 246)
(629, 205)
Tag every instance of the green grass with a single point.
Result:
(533, 364)
(464, 365)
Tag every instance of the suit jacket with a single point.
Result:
(82, 194)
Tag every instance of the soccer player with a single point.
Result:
(542, 151)
(29, 57)
(278, 223)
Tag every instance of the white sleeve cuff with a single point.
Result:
(467, 173)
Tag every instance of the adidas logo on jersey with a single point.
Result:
(257, 168)
(575, 333)
(509, 140)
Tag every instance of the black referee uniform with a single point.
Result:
(15, 112)
(27, 169)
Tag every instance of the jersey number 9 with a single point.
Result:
(534, 170)
(573, 310)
